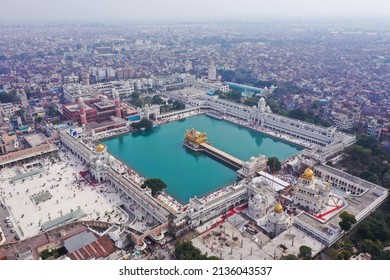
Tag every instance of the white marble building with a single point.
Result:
(310, 192)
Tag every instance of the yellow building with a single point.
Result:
(196, 137)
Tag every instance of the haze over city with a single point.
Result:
(130, 10)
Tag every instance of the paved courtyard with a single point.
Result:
(58, 191)
(230, 242)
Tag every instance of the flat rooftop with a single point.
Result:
(357, 206)
(231, 242)
(102, 105)
(75, 107)
(349, 177)
(68, 193)
(35, 139)
(95, 124)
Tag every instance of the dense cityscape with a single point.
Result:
(71, 94)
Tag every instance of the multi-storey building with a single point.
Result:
(311, 193)
(7, 110)
(374, 129)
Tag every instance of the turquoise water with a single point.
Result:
(160, 154)
(244, 88)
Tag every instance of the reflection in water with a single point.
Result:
(142, 133)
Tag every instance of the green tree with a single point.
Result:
(147, 100)
(45, 254)
(374, 248)
(262, 84)
(235, 95)
(157, 100)
(332, 253)
(347, 220)
(290, 257)
(178, 105)
(385, 255)
(218, 92)
(6, 97)
(52, 111)
(369, 176)
(20, 113)
(274, 164)
(187, 251)
(135, 95)
(155, 184)
(375, 227)
(252, 101)
(144, 123)
(38, 120)
(315, 105)
(137, 102)
(304, 253)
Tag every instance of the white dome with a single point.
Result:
(257, 197)
(91, 158)
(98, 163)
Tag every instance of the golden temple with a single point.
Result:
(196, 137)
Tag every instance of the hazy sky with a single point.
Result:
(42, 10)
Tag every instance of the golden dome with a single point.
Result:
(278, 208)
(308, 174)
(100, 148)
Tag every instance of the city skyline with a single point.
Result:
(174, 10)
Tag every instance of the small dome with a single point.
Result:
(111, 159)
(257, 197)
(100, 148)
(98, 163)
(278, 208)
(308, 174)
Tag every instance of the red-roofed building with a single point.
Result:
(100, 248)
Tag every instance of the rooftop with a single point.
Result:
(79, 240)
(349, 177)
(100, 248)
(75, 107)
(115, 121)
(36, 139)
